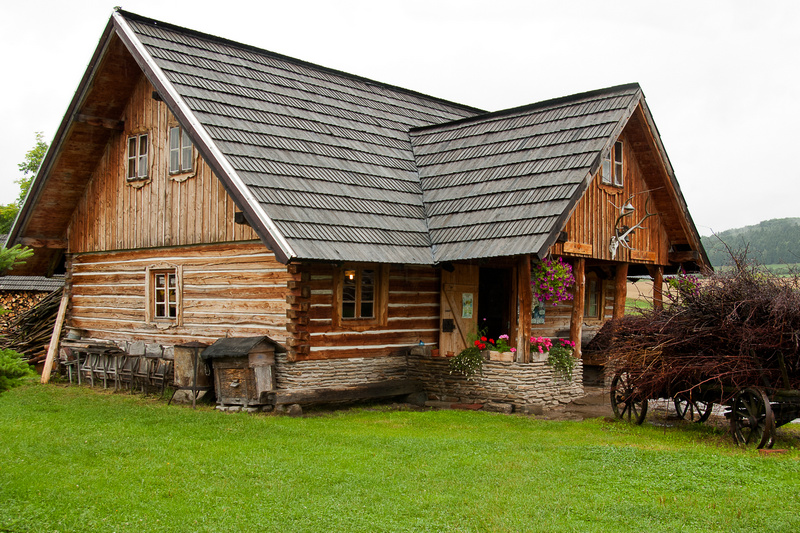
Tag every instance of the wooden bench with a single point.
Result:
(366, 391)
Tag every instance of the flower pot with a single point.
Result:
(503, 357)
(538, 357)
(435, 352)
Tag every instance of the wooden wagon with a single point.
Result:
(754, 411)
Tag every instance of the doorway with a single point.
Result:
(494, 301)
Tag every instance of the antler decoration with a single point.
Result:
(621, 233)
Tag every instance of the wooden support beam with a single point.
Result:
(55, 338)
(620, 290)
(57, 244)
(684, 257)
(100, 122)
(525, 309)
(576, 320)
(657, 273)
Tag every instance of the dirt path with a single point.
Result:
(594, 404)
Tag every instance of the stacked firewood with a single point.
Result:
(16, 302)
(29, 333)
(734, 329)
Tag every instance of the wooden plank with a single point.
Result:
(577, 248)
(367, 391)
(643, 255)
(55, 338)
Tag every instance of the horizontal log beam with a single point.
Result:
(367, 391)
(56, 244)
(107, 123)
(684, 257)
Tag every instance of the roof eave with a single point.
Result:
(687, 217)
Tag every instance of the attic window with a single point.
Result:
(612, 170)
(180, 151)
(137, 157)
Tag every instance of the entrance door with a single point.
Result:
(494, 312)
(459, 308)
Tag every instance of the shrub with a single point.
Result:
(12, 369)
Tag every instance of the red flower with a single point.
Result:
(483, 339)
(482, 346)
(491, 341)
(477, 343)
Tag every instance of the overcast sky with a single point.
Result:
(722, 78)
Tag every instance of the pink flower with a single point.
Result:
(513, 349)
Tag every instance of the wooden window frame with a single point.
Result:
(598, 294)
(183, 152)
(612, 171)
(137, 168)
(618, 164)
(380, 297)
(152, 291)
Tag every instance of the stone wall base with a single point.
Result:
(518, 384)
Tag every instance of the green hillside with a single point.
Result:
(769, 242)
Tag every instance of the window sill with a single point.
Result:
(182, 176)
(137, 183)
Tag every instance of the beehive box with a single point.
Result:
(244, 369)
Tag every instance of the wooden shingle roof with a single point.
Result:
(500, 184)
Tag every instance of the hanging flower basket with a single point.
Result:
(552, 280)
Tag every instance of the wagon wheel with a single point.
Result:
(752, 420)
(692, 409)
(626, 401)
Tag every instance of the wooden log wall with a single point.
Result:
(413, 315)
(591, 225)
(162, 211)
(232, 289)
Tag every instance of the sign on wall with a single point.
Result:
(466, 305)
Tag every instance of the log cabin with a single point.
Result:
(198, 188)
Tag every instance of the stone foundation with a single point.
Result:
(520, 384)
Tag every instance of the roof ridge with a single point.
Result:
(552, 102)
(282, 57)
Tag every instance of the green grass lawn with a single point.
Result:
(634, 306)
(76, 459)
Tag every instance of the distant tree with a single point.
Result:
(29, 167)
(769, 242)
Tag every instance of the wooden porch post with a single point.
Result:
(620, 290)
(525, 310)
(657, 273)
(576, 321)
